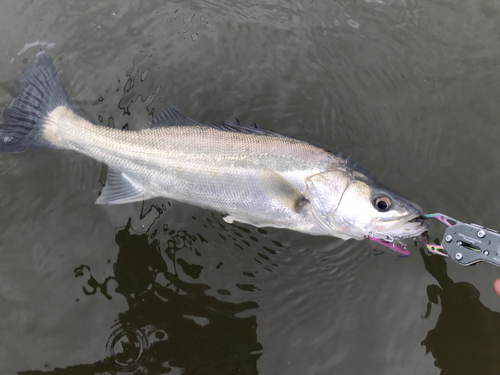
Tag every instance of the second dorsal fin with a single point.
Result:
(170, 116)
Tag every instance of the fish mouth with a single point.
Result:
(404, 227)
(410, 218)
(413, 226)
(417, 219)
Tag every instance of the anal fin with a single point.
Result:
(121, 188)
(231, 219)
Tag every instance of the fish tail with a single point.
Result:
(37, 92)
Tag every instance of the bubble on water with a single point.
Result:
(353, 23)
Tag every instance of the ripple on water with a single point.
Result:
(126, 347)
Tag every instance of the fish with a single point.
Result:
(248, 174)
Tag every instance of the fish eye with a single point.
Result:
(382, 203)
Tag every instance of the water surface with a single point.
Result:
(408, 89)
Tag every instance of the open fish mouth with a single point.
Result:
(413, 218)
(414, 226)
(418, 219)
(403, 227)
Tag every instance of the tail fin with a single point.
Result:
(37, 92)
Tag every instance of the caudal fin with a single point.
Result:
(37, 92)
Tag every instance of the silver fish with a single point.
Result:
(248, 174)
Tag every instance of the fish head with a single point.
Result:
(349, 204)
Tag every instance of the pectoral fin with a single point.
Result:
(281, 190)
(121, 188)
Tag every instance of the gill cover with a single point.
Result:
(325, 191)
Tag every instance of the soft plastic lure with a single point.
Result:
(398, 247)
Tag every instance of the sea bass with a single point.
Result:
(250, 175)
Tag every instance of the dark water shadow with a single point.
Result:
(466, 339)
(171, 326)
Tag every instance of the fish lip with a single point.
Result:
(413, 217)
(417, 219)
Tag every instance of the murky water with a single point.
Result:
(409, 89)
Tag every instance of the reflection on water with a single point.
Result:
(171, 326)
(466, 339)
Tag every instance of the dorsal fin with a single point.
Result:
(238, 127)
(170, 116)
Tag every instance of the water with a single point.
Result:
(408, 89)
